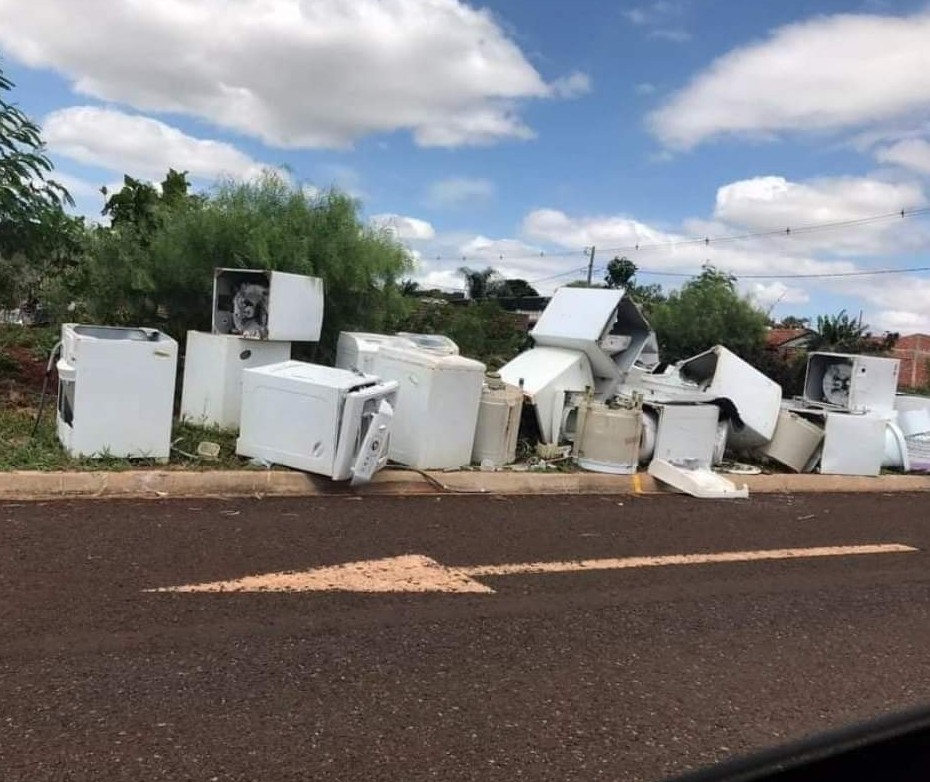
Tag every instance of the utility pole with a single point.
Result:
(590, 264)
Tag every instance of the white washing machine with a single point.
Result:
(323, 420)
(213, 364)
(116, 391)
(437, 406)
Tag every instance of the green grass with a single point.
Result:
(20, 451)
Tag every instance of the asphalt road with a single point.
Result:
(610, 674)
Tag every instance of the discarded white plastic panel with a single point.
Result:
(547, 375)
(608, 439)
(498, 423)
(116, 391)
(647, 445)
(795, 443)
(914, 421)
(323, 420)
(697, 481)
(851, 382)
(895, 448)
(686, 433)
(649, 356)
(853, 445)
(436, 414)
(756, 399)
(606, 325)
(213, 364)
(918, 452)
(908, 402)
(289, 310)
(720, 441)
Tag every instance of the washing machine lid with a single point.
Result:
(342, 379)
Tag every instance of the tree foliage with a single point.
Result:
(37, 239)
(481, 329)
(841, 333)
(621, 273)
(707, 311)
(155, 265)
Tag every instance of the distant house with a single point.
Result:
(788, 340)
(530, 307)
(913, 351)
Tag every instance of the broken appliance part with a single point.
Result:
(116, 391)
(498, 425)
(691, 478)
(608, 437)
(853, 444)
(795, 443)
(213, 364)
(685, 433)
(436, 414)
(750, 399)
(851, 382)
(328, 421)
(606, 325)
(547, 375)
(272, 305)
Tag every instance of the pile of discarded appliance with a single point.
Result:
(591, 389)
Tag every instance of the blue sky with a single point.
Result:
(516, 134)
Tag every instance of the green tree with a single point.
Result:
(621, 273)
(708, 310)
(515, 288)
(841, 333)
(34, 230)
(161, 271)
(481, 283)
(792, 322)
(481, 329)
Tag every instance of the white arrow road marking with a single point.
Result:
(416, 573)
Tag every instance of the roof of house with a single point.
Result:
(777, 338)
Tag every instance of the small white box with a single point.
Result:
(213, 364)
(279, 306)
(851, 381)
(853, 445)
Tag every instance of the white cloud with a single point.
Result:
(828, 73)
(644, 88)
(673, 34)
(774, 203)
(405, 228)
(770, 295)
(910, 153)
(459, 191)
(140, 146)
(661, 19)
(572, 86)
(291, 72)
(902, 322)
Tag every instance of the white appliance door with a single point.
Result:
(359, 410)
(373, 453)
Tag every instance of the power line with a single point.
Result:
(819, 275)
(707, 241)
